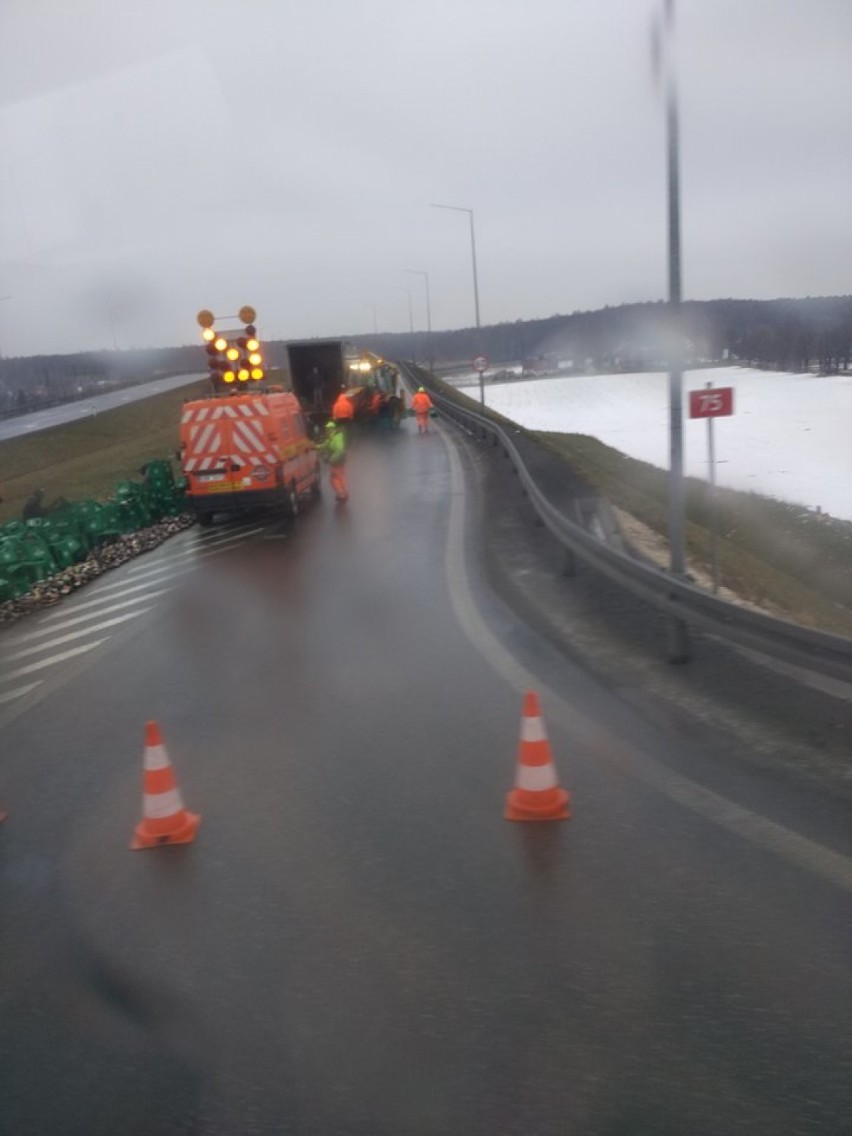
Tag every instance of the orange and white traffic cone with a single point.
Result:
(536, 795)
(164, 819)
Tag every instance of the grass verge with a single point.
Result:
(771, 553)
(87, 457)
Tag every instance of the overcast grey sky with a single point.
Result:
(164, 156)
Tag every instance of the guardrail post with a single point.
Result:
(677, 640)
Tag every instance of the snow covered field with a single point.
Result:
(790, 436)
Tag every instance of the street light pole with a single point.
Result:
(402, 288)
(462, 209)
(9, 297)
(112, 327)
(425, 275)
(679, 639)
(410, 310)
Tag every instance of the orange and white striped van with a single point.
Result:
(247, 451)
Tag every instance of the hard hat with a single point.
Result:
(331, 425)
(421, 390)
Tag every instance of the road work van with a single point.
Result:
(246, 451)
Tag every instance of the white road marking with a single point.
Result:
(75, 635)
(124, 587)
(174, 567)
(75, 620)
(103, 603)
(18, 692)
(31, 668)
(116, 592)
(759, 830)
(190, 556)
(200, 548)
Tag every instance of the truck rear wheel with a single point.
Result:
(204, 519)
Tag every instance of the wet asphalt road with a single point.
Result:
(358, 942)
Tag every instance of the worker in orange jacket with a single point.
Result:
(343, 411)
(377, 402)
(421, 404)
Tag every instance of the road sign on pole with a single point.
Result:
(712, 402)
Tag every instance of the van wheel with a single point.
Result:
(293, 502)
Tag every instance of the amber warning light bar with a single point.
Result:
(233, 355)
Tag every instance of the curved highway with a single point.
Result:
(88, 407)
(358, 942)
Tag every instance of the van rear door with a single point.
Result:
(204, 454)
(226, 449)
(249, 434)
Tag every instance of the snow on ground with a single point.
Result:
(790, 436)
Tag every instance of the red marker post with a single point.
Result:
(712, 402)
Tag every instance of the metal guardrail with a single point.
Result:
(816, 651)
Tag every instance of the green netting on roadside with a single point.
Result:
(68, 532)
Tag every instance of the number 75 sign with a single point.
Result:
(712, 402)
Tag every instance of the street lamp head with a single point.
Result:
(457, 208)
(464, 209)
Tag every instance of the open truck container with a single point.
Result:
(319, 370)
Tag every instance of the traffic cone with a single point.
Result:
(164, 819)
(536, 795)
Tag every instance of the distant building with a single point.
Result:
(540, 365)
